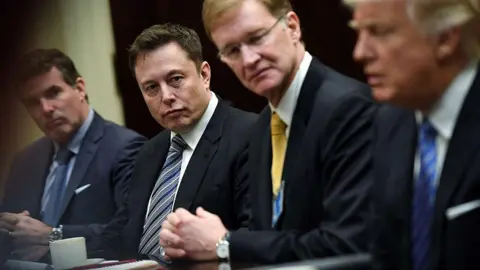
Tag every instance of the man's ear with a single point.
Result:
(205, 72)
(80, 87)
(293, 24)
(448, 42)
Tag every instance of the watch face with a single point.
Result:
(55, 235)
(222, 251)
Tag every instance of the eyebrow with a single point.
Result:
(174, 71)
(44, 91)
(147, 82)
(52, 88)
(354, 24)
(247, 36)
(170, 73)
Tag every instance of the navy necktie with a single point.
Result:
(424, 196)
(162, 199)
(55, 192)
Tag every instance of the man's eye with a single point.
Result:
(53, 93)
(176, 78)
(255, 39)
(379, 31)
(232, 51)
(150, 87)
(175, 81)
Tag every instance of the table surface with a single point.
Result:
(347, 262)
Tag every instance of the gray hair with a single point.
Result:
(437, 16)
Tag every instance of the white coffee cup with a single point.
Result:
(68, 253)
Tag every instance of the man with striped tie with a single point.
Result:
(422, 56)
(197, 160)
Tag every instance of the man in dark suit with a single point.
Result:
(71, 182)
(427, 184)
(197, 160)
(309, 154)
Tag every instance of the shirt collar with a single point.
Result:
(286, 107)
(193, 136)
(76, 141)
(444, 114)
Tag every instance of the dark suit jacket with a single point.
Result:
(455, 244)
(327, 174)
(105, 161)
(212, 180)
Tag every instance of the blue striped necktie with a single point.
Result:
(54, 196)
(162, 199)
(424, 196)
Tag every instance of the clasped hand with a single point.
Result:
(30, 236)
(184, 235)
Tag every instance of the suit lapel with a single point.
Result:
(260, 163)
(400, 148)
(464, 145)
(38, 172)
(201, 158)
(292, 169)
(394, 171)
(87, 151)
(300, 119)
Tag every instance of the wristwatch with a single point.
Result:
(223, 250)
(56, 234)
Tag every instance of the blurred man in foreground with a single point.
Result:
(422, 57)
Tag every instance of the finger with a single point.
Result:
(174, 253)
(185, 216)
(9, 218)
(163, 243)
(202, 213)
(174, 219)
(170, 239)
(31, 253)
(7, 225)
(168, 226)
(21, 238)
(25, 213)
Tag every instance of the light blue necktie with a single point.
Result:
(54, 199)
(424, 196)
(162, 199)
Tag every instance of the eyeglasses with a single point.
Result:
(233, 52)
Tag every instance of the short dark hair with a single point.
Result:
(40, 61)
(161, 34)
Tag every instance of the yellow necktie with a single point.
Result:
(279, 143)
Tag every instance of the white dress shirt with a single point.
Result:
(192, 137)
(288, 103)
(444, 116)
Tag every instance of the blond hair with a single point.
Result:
(214, 9)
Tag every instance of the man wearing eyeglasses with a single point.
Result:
(309, 158)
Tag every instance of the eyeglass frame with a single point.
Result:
(250, 42)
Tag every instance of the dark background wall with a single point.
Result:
(325, 32)
(15, 18)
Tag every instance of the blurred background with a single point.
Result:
(96, 35)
